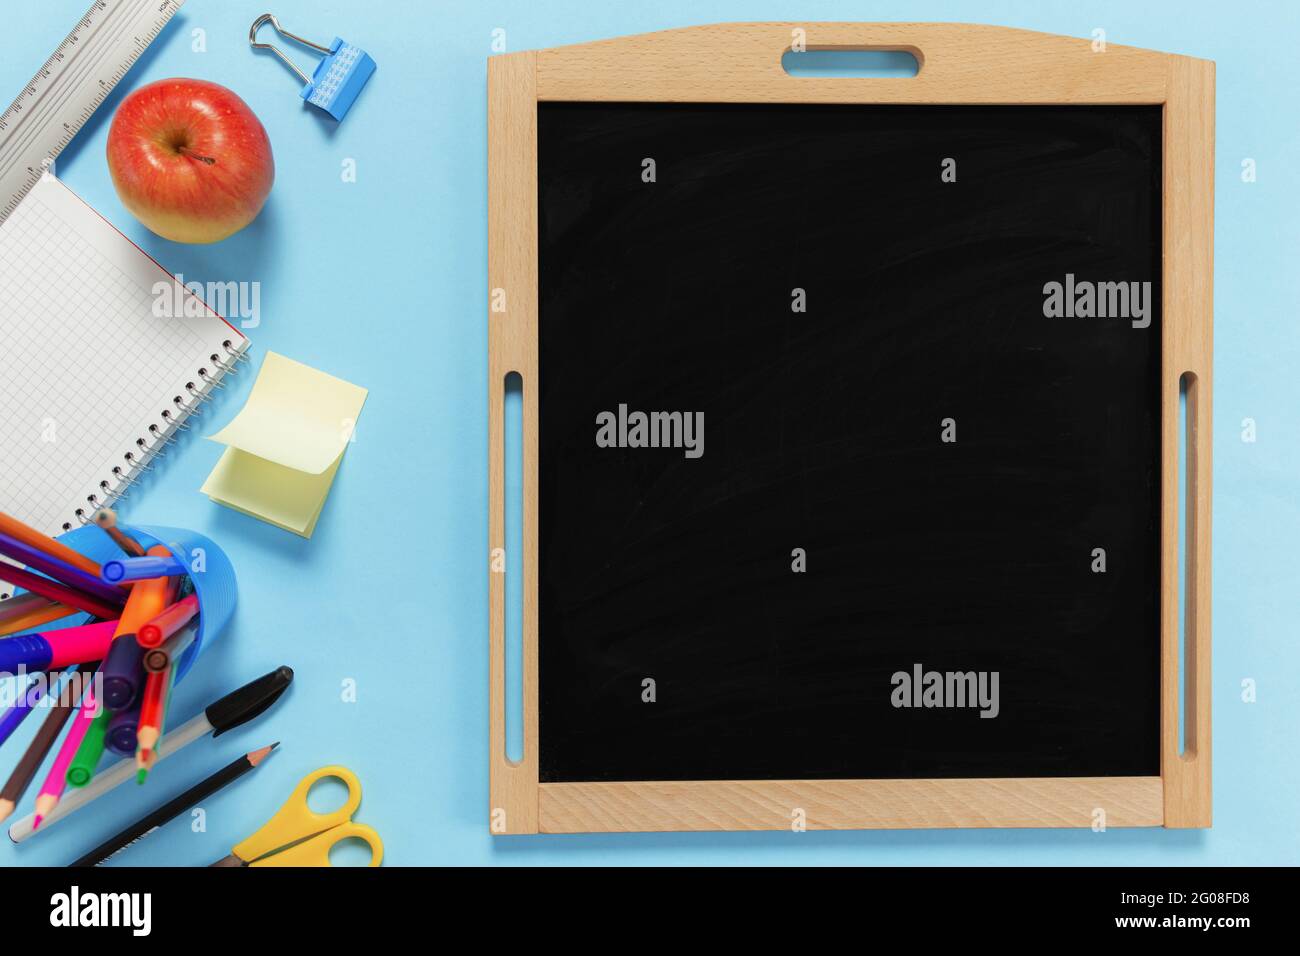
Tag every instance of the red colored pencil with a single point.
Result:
(153, 712)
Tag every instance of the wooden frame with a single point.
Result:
(959, 64)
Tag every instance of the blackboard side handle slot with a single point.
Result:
(512, 348)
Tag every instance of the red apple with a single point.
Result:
(190, 160)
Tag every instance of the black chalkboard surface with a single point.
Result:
(900, 464)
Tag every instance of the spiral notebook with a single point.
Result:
(96, 369)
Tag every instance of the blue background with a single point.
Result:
(384, 282)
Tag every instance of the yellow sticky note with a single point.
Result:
(284, 447)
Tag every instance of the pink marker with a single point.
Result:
(55, 650)
(57, 779)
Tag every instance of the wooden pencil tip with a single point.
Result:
(145, 738)
(257, 756)
(6, 808)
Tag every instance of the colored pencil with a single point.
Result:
(160, 658)
(233, 710)
(58, 592)
(168, 622)
(48, 613)
(61, 708)
(18, 711)
(56, 781)
(16, 529)
(106, 518)
(152, 711)
(175, 807)
(20, 605)
(23, 606)
(36, 560)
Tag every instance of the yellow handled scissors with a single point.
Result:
(298, 836)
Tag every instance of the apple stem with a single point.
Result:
(186, 151)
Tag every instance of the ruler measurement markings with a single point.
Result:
(66, 86)
(83, 70)
(56, 57)
(64, 83)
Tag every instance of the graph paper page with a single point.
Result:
(86, 362)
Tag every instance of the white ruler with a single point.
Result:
(66, 91)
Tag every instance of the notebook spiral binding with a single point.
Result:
(161, 434)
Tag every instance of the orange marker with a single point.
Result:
(168, 622)
(34, 539)
(122, 668)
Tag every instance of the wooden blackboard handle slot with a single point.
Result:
(1189, 776)
(512, 334)
(1193, 650)
(1188, 346)
(958, 63)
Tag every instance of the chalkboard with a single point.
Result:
(805, 283)
(851, 436)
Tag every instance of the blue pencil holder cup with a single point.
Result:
(211, 572)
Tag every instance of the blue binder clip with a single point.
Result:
(338, 78)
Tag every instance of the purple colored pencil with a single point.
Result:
(60, 571)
